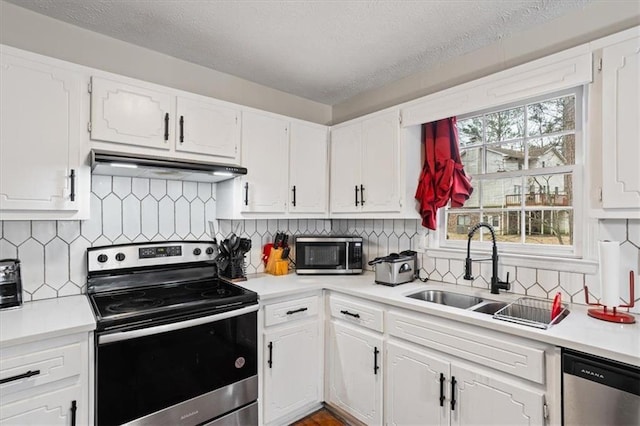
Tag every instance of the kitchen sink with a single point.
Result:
(446, 298)
(490, 308)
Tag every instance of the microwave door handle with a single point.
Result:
(346, 257)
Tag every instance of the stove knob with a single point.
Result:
(209, 250)
(120, 257)
(102, 258)
(197, 251)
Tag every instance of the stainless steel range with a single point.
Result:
(175, 345)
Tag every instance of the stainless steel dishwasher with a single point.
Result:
(598, 391)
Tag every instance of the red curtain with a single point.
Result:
(443, 177)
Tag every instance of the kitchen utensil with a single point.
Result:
(245, 245)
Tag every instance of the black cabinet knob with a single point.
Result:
(120, 257)
(102, 258)
(197, 251)
(209, 250)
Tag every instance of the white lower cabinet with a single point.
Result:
(355, 372)
(292, 360)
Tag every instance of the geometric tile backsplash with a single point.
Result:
(53, 253)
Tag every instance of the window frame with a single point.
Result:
(578, 207)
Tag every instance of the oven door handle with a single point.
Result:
(133, 334)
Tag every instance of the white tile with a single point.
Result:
(44, 292)
(547, 279)
(101, 185)
(69, 289)
(197, 218)
(140, 187)
(204, 190)
(449, 278)
(613, 230)
(131, 217)
(158, 188)
(633, 231)
(387, 227)
(8, 250)
(517, 288)
(456, 267)
(368, 226)
(592, 282)
(166, 214)
(56, 263)
(17, 231)
(68, 230)
(43, 230)
(272, 226)
(102, 241)
(210, 209)
(394, 244)
(190, 190)
(378, 226)
(404, 242)
(428, 263)
(149, 217)
(111, 217)
(91, 229)
(121, 186)
(174, 189)
(78, 261)
(442, 266)
(31, 255)
(183, 218)
(486, 271)
(526, 276)
(572, 283)
(261, 226)
(537, 291)
(411, 226)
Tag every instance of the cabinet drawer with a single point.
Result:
(292, 310)
(357, 312)
(505, 354)
(34, 368)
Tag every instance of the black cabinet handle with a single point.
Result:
(375, 360)
(442, 389)
(181, 129)
(74, 409)
(350, 314)
(362, 195)
(357, 195)
(72, 176)
(246, 193)
(453, 393)
(296, 311)
(270, 361)
(166, 127)
(294, 195)
(20, 376)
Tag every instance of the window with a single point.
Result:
(523, 160)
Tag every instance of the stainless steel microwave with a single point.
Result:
(331, 254)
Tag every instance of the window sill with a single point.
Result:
(563, 264)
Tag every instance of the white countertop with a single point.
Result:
(577, 331)
(45, 319)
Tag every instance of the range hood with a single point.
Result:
(133, 165)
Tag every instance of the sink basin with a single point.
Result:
(490, 308)
(456, 300)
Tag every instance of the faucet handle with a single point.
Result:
(505, 285)
(467, 269)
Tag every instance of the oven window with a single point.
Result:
(141, 376)
(322, 256)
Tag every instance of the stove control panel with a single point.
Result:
(138, 255)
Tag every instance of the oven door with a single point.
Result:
(183, 373)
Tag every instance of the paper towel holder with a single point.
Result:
(612, 315)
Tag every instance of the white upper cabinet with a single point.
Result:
(365, 168)
(308, 171)
(130, 114)
(40, 138)
(621, 126)
(205, 126)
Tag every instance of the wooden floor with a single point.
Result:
(321, 417)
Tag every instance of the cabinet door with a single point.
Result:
(206, 127)
(308, 168)
(414, 388)
(51, 408)
(380, 163)
(265, 141)
(485, 398)
(621, 125)
(292, 377)
(128, 114)
(354, 384)
(40, 125)
(346, 155)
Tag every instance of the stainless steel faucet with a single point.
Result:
(496, 283)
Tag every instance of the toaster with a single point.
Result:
(10, 284)
(395, 268)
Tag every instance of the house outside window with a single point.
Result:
(524, 160)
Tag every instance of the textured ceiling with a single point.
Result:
(326, 51)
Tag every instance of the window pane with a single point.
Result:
(470, 131)
(472, 160)
(459, 222)
(549, 227)
(498, 193)
(505, 157)
(474, 200)
(552, 151)
(549, 190)
(551, 116)
(506, 224)
(505, 125)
